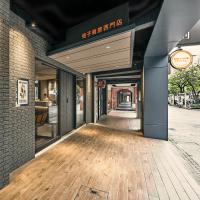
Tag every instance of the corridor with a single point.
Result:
(121, 120)
(125, 106)
(101, 163)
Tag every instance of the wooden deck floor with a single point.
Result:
(101, 163)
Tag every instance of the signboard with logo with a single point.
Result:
(103, 28)
(103, 23)
(101, 84)
(181, 59)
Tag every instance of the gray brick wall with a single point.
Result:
(21, 65)
(4, 94)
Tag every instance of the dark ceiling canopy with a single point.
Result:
(55, 17)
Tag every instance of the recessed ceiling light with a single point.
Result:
(108, 47)
(33, 25)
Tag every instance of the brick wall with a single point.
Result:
(21, 65)
(25, 47)
(4, 94)
(19, 47)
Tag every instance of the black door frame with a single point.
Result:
(58, 104)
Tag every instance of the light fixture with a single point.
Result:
(33, 25)
(108, 47)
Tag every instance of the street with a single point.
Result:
(184, 133)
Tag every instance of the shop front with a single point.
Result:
(59, 103)
(43, 91)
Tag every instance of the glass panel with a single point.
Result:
(46, 105)
(80, 102)
(97, 103)
(109, 98)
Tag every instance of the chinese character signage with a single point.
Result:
(22, 92)
(102, 29)
(103, 23)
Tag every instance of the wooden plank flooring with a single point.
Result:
(102, 163)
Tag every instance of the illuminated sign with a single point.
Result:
(102, 29)
(181, 59)
(99, 25)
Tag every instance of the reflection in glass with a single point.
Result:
(46, 106)
(79, 102)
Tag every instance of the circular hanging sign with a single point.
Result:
(181, 59)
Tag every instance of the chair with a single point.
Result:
(41, 115)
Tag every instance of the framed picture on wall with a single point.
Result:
(22, 92)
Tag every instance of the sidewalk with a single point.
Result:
(184, 133)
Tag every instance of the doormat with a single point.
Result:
(86, 193)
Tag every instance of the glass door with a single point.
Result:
(80, 101)
(46, 105)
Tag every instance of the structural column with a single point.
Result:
(89, 98)
(156, 97)
(4, 93)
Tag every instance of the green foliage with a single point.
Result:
(185, 81)
(192, 76)
(177, 83)
(195, 106)
(173, 88)
(77, 89)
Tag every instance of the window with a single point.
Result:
(46, 105)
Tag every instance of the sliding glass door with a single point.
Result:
(46, 105)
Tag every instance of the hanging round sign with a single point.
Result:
(181, 59)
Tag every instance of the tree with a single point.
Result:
(192, 76)
(173, 88)
(187, 80)
(177, 83)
